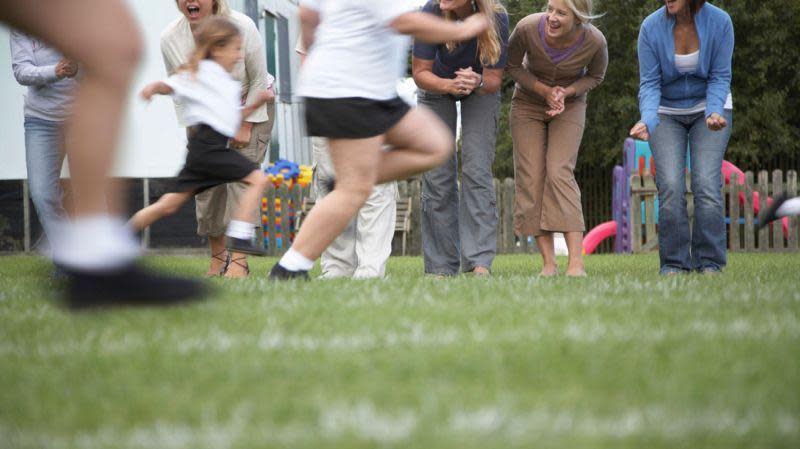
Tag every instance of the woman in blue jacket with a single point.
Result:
(685, 53)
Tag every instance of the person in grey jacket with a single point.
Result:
(50, 79)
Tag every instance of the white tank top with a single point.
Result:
(688, 64)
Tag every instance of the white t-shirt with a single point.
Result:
(355, 53)
(211, 96)
(688, 64)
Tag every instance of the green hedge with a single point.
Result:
(766, 82)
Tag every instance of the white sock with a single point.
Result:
(240, 229)
(94, 243)
(789, 207)
(294, 261)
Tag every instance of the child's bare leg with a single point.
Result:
(242, 225)
(355, 162)
(165, 206)
(421, 142)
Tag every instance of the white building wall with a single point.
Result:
(152, 144)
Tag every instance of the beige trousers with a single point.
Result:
(547, 196)
(215, 206)
(363, 248)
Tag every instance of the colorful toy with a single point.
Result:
(637, 157)
(284, 172)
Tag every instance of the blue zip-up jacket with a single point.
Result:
(660, 83)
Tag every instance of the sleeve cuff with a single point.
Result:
(50, 73)
(651, 123)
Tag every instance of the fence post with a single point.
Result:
(733, 212)
(509, 243)
(763, 193)
(794, 222)
(636, 214)
(749, 204)
(498, 202)
(777, 227)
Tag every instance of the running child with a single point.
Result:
(781, 207)
(211, 98)
(358, 52)
(93, 248)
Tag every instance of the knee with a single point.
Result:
(442, 146)
(169, 207)
(559, 173)
(116, 60)
(357, 192)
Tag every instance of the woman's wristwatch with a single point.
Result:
(480, 86)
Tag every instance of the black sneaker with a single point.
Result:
(244, 246)
(278, 273)
(128, 286)
(767, 215)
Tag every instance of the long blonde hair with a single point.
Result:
(489, 45)
(212, 33)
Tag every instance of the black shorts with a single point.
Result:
(210, 162)
(352, 118)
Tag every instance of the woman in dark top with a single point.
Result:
(459, 231)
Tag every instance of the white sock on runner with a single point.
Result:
(789, 207)
(240, 229)
(94, 243)
(294, 261)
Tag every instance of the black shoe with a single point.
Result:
(244, 246)
(767, 215)
(278, 273)
(128, 286)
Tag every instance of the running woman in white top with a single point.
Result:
(210, 97)
(357, 54)
(93, 248)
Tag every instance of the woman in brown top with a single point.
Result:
(555, 57)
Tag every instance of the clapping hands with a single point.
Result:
(465, 82)
(555, 100)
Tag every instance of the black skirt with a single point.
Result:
(210, 162)
(352, 118)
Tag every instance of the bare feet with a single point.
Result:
(576, 269)
(217, 266)
(238, 268)
(481, 272)
(549, 271)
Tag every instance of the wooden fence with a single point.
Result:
(741, 218)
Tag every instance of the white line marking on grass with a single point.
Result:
(589, 330)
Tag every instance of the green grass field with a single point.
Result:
(623, 359)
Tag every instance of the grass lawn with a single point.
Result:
(623, 359)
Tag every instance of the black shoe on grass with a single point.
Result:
(767, 215)
(278, 273)
(128, 286)
(244, 246)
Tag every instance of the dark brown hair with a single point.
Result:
(694, 6)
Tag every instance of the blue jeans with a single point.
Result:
(702, 247)
(44, 156)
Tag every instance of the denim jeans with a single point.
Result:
(703, 246)
(44, 156)
(459, 230)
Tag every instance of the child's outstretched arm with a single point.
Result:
(155, 88)
(429, 28)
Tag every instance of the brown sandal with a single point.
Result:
(225, 262)
(238, 262)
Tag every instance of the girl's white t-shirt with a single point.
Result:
(355, 52)
(211, 96)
